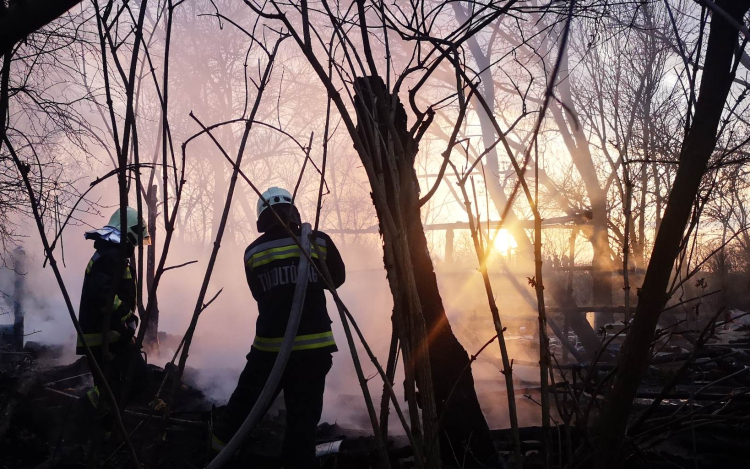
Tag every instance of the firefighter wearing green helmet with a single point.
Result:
(109, 287)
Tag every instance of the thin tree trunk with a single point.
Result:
(723, 274)
(658, 197)
(544, 355)
(507, 370)
(569, 288)
(19, 292)
(380, 439)
(151, 339)
(390, 372)
(639, 245)
(626, 243)
(601, 263)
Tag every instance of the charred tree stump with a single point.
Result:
(420, 322)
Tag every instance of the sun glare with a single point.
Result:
(504, 241)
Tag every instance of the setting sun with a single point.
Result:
(504, 241)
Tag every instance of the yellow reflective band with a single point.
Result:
(116, 303)
(88, 267)
(127, 316)
(127, 275)
(277, 257)
(95, 340)
(93, 395)
(301, 342)
(279, 340)
(327, 343)
(277, 243)
(217, 444)
(276, 254)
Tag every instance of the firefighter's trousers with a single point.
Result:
(118, 370)
(303, 383)
(94, 412)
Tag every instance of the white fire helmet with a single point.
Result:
(273, 196)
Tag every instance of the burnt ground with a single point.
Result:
(703, 423)
(42, 403)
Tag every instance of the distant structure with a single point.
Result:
(12, 334)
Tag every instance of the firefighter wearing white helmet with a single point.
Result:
(273, 196)
(271, 270)
(283, 204)
(109, 287)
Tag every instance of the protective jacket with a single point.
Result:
(97, 296)
(271, 269)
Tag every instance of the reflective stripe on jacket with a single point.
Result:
(216, 444)
(271, 270)
(280, 249)
(97, 296)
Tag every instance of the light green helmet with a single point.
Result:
(137, 231)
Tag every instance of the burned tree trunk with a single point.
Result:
(419, 322)
(697, 148)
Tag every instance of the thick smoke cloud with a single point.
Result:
(226, 329)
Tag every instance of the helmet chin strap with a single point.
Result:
(132, 239)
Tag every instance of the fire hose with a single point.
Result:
(264, 400)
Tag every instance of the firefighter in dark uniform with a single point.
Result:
(98, 296)
(271, 270)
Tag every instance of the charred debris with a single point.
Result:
(693, 406)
